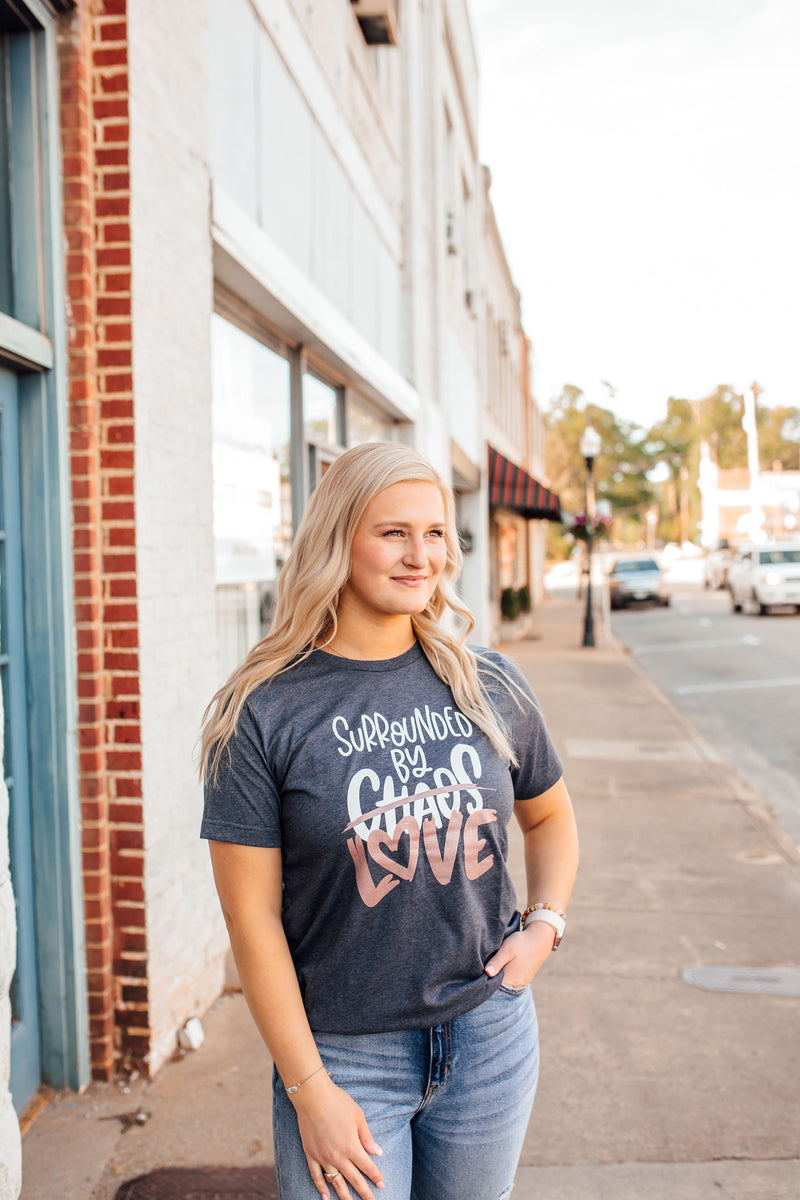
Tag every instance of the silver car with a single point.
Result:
(638, 578)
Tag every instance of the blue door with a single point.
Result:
(25, 1053)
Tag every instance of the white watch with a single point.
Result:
(550, 918)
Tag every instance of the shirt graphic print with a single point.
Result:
(391, 808)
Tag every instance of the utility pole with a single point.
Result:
(685, 531)
(750, 426)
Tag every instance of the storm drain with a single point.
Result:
(757, 981)
(202, 1183)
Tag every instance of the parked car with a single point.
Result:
(716, 563)
(638, 578)
(767, 575)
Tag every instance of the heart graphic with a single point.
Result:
(378, 839)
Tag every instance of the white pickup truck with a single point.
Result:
(764, 576)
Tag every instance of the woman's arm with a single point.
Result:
(551, 861)
(333, 1127)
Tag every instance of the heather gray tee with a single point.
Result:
(391, 810)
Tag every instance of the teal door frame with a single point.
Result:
(33, 346)
(25, 1034)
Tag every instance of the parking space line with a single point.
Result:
(700, 644)
(735, 685)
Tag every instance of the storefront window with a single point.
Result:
(320, 411)
(366, 424)
(252, 498)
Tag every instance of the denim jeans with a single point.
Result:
(449, 1106)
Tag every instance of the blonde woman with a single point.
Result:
(361, 768)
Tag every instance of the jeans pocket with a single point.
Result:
(513, 991)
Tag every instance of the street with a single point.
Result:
(737, 677)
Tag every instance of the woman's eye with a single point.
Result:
(396, 533)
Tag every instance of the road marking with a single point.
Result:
(711, 643)
(759, 981)
(736, 685)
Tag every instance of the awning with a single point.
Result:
(512, 487)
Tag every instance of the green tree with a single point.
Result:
(620, 470)
(675, 442)
(779, 437)
(720, 424)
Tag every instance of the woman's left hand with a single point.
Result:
(522, 954)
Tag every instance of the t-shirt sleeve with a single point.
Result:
(243, 804)
(538, 765)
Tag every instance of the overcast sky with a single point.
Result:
(645, 159)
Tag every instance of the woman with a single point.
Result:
(361, 768)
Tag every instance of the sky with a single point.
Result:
(645, 162)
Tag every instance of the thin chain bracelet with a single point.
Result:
(291, 1090)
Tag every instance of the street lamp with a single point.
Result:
(590, 448)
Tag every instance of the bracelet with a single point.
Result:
(291, 1090)
(537, 907)
(555, 917)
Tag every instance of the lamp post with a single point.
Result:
(589, 447)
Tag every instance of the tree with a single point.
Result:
(720, 424)
(675, 443)
(629, 455)
(620, 470)
(779, 437)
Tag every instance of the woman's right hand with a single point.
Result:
(336, 1137)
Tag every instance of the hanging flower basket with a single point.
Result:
(581, 527)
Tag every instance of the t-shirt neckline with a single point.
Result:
(370, 664)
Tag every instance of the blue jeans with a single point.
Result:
(449, 1106)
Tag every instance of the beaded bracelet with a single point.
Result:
(556, 917)
(540, 904)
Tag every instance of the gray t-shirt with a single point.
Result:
(391, 810)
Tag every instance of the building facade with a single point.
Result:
(740, 509)
(519, 504)
(249, 234)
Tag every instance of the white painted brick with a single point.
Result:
(172, 304)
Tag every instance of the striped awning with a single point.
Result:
(512, 487)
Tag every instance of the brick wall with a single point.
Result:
(95, 149)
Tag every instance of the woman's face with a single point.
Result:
(398, 552)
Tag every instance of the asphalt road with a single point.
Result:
(737, 677)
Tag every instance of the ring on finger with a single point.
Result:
(331, 1175)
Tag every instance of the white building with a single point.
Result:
(519, 504)
(278, 244)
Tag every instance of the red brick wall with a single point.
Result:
(95, 148)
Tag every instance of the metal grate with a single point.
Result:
(202, 1183)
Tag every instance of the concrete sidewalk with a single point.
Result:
(651, 1089)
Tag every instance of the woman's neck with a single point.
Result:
(370, 639)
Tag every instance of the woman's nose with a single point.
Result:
(416, 552)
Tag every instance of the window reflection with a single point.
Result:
(320, 411)
(366, 424)
(252, 497)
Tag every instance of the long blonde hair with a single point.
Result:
(311, 584)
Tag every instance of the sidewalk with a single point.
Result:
(651, 1089)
